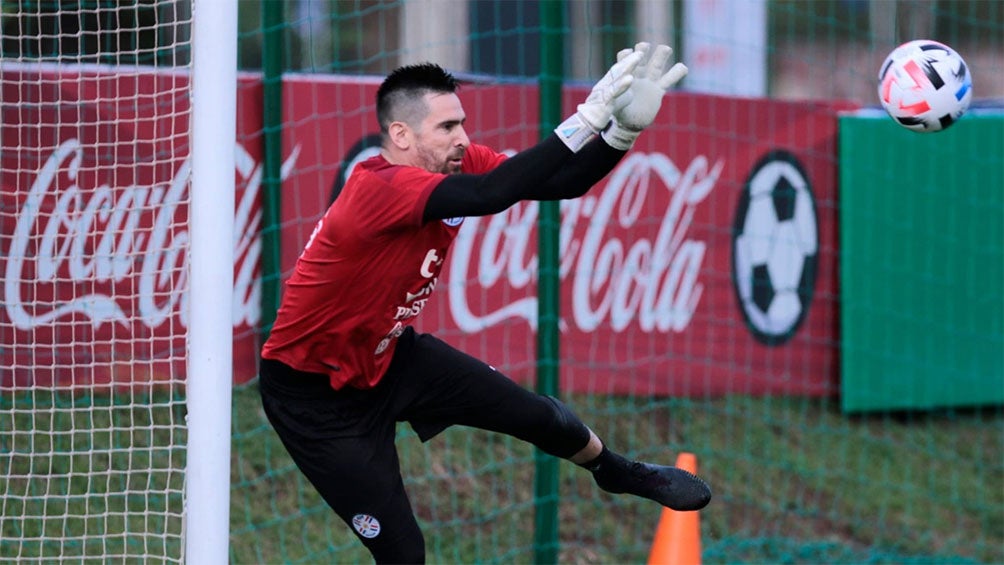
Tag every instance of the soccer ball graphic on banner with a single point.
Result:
(775, 248)
(925, 85)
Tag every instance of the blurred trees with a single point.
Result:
(494, 37)
(145, 32)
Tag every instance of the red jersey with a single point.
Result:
(367, 270)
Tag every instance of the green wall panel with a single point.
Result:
(921, 264)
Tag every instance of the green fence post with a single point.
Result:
(548, 281)
(272, 62)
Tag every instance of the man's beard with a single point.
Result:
(448, 167)
(432, 164)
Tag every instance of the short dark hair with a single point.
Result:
(400, 95)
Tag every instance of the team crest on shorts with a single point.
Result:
(366, 525)
(453, 222)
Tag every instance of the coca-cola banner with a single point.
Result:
(95, 174)
(703, 264)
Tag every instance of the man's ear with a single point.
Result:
(400, 135)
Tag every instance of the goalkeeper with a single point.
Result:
(342, 364)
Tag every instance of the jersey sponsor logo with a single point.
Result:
(414, 302)
(432, 259)
(425, 291)
(406, 312)
(393, 334)
(366, 525)
(453, 222)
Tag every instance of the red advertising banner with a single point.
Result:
(703, 265)
(94, 173)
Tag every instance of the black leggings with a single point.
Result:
(343, 441)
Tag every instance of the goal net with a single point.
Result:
(95, 107)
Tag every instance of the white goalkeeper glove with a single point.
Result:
(651, 81)
(611, 93)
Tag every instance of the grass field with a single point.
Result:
(795, 482)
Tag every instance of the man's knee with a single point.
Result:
(565, 435)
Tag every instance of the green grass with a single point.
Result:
(87, 479)
(795, 482)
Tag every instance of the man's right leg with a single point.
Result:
(460, 389)
(355, 469)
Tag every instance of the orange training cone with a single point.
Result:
(678, 535)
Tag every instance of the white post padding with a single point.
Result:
(210, 331)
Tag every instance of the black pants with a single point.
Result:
(343, 440)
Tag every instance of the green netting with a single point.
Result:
(796, 480)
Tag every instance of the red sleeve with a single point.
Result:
(480, 159)
(418, 211)
(393, 195)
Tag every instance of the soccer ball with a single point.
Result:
(775, 248)
(925, 85)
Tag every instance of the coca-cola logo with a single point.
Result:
(80, 242)
(651, 282)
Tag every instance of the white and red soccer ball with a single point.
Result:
(925, 85)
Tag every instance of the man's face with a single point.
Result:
(440, 140)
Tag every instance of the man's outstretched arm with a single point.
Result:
(552, 170)
(546, 171)
(480, 195)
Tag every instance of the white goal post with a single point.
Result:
(117, 251)
(210, 333)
